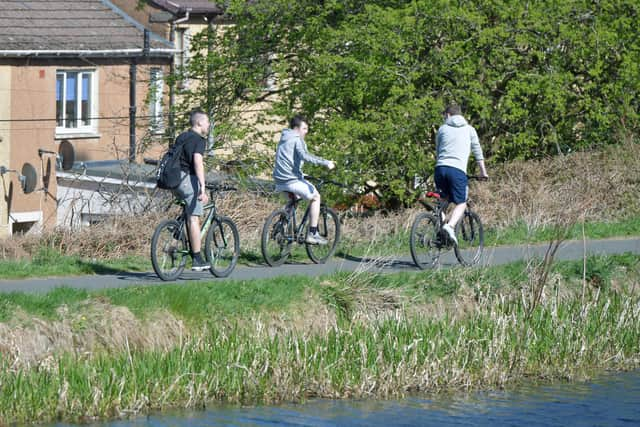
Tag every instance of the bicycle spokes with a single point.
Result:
(425, 240)
(470, 239)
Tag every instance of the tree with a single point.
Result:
(534, 78)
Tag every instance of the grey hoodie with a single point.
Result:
(290, 157)
(454, 142)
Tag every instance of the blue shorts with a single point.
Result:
(452, 183)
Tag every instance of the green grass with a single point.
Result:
(398, 244)
(496, 342)
(48, 262)
(199, 302)
(592, 230)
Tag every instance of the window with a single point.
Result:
(74, 101)
(155, 99)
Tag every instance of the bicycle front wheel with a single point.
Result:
(276, 238)
(470, 237)
(329, 228)
(169, 250)
(425, 241)
(222, 246)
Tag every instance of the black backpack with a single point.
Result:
(168, 175)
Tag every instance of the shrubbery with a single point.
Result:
(535, 78)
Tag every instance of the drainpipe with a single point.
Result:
(133, 74)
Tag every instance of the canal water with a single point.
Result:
(607, 400)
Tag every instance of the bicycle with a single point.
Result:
(428, 240)
(170, 246)
(281, 230)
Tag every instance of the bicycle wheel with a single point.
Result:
(222, 246)
(169, 250)
(424, 241)
(329, 228)
(470, 237)
(276, 238)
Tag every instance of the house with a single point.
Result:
(177, 21)
(80, 85)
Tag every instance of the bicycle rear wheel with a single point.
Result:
(329, 228)
(470, 235)
(425, 241)
(222, 246)
(169, 250)
(276, 238)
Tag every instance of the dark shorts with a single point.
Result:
(452, 183)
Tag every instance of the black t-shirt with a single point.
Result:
(192, 143)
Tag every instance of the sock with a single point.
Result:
(196, 255)
(313, 230)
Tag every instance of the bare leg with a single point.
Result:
(194, 233)
(456, 214)
(314, 210)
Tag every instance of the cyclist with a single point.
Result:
(455, 140)
(191, 188)
(287, 173)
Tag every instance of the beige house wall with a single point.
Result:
(33, 100)
(5, 146)
(28, 98)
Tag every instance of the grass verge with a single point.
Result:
(339, 336)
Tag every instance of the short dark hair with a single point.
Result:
(193, 116)
(296, 121)
(453, 109)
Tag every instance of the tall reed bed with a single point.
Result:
(499, 342)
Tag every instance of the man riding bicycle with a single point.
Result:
(192, 186)
(455, 140)
(287, 173)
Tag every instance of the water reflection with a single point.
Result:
(609, 400)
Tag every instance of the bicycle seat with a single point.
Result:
(432, 194)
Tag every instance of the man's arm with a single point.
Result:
(198, 166)
(476, 149)
(301, 150)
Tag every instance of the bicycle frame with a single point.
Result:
(297, 230)
(212, 214)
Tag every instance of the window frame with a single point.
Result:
(81, 128)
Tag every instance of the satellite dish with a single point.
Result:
(67, 155)
(28, 178)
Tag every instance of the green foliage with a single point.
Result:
(534, 78)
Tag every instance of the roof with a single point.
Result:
(68, 26)
(193, 6)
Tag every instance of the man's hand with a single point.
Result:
(331, 165)
(203, 196)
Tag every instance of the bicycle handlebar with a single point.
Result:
(216, 186)
(478, 177)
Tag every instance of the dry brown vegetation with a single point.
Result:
(600, 185)
(591, 185)
(28, 341)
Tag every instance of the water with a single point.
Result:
(609, 400)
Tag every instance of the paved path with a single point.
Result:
(492, 256)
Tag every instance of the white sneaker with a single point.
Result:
(451, 232)
(315, 239)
